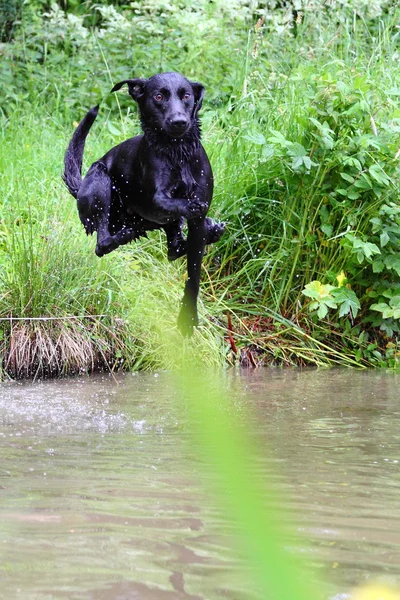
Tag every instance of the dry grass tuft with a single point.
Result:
(51, 348)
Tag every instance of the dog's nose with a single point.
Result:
(178, 122)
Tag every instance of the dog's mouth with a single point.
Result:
(177, 130)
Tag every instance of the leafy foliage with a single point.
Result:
(328, 296)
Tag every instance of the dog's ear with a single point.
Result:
(198, 91)
(135, 87)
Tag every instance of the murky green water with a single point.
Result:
(101, 496)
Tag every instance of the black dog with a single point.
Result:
(151, 181)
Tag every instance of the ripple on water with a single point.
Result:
(98, 485)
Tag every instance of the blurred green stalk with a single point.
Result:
(231, 456)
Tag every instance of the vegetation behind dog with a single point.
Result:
(301, 123)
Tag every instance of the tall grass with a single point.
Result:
(302, 133)
(309, 122)
(56, 294)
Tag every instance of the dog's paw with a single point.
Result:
(106, 246)
(187, 319)
(215, 232)
(124, 236)
(197, 208)
(176, 250)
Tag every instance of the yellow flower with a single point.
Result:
(341, 279)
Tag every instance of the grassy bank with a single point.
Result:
(302, 128)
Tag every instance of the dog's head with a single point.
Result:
(168, 102)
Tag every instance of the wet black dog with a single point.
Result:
(151, 181)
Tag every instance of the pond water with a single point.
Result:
(101, 495)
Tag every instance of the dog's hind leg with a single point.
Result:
(94, 205)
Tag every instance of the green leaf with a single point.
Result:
(322, 127)
(384, 238)
(363, 183)
(353, 195)
(395, 302)
(329, 302)
(348, 301)
(297, 150)
(327, 229)
(267, 152)
(388, 293)
(377, 223)
(378, 266)
(379, 175)
(255, 138)
(328, 142)
(308, 163)
(315, 289)
(297, 163)
(112, 129)
(367, 249)
(347, 177)
(392, 262)
(278, 138)
(353, 162)
(322, 311)
(380, 307)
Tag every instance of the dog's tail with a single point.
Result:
(72, 175)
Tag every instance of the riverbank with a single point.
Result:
(301, 126)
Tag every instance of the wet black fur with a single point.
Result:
(151, 181)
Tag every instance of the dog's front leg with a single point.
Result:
(196, 241)
(166, 209)
(176, 243)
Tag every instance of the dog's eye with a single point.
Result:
(187, 95)
(158, 97)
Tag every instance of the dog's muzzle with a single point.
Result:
(178, 126)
